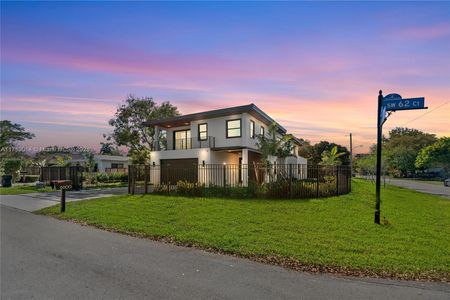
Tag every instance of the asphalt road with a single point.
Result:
(44, 258)
(422, 186)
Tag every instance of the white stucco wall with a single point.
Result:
(217, 129)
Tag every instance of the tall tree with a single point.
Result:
(10, 134)
(435, 155)
(128, 123)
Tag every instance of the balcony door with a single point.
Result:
(182, 139)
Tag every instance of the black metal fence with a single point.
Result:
(253, 181)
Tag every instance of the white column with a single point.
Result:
(156, 138)
(245, 167)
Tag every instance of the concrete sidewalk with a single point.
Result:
(36, 201)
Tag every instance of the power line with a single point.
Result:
(434, 109)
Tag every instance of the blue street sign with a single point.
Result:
(393, 104)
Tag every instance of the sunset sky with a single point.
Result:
(314, 67)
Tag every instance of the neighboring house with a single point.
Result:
(106, 163)
(225, 137)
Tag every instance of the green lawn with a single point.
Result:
(335, 233)
(22, 189)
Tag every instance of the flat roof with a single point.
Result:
(184, 120)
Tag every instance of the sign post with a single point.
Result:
(378, 171)
(386, 106)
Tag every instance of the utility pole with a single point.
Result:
(378, 177)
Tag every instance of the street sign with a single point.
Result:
(387, 105)
(394, 102)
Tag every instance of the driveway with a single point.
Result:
(44, 258)
(36, 201)
(422, 186)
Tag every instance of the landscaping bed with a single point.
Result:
(334, 234)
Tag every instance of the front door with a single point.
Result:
(182, 139)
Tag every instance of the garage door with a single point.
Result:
(174, 170)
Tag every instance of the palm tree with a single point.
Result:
(331, 158)
(273, 145)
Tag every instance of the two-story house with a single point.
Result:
(225, 137)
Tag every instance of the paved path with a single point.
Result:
(36, 201)
(421, 186)
(43, 258)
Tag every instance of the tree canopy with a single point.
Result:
(435, 155)
(107, 148)
(314, 152)
(128, 122)
(11, 133)
(401, 148)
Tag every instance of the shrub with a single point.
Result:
(30, 178)
(160, 189)
(189, 189)
(12, 167)
(111, 177)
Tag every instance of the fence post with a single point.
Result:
(224, 176)
(129, 179)
(146, 170)
(133, 180)
(337, 180)
(290, 181)
(317, 186)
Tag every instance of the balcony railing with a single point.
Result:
(189, 143)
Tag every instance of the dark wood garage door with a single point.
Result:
(174, 170)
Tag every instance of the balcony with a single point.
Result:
(187, 143)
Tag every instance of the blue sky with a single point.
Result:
(314, 67)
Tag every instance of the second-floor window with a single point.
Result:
(261, 131)
(182, 139)
(252, 129)
(234, 128)
(203, 132)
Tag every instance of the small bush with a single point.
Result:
(12, 167)
(189, 189)
(30, 178)
(111, 177)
